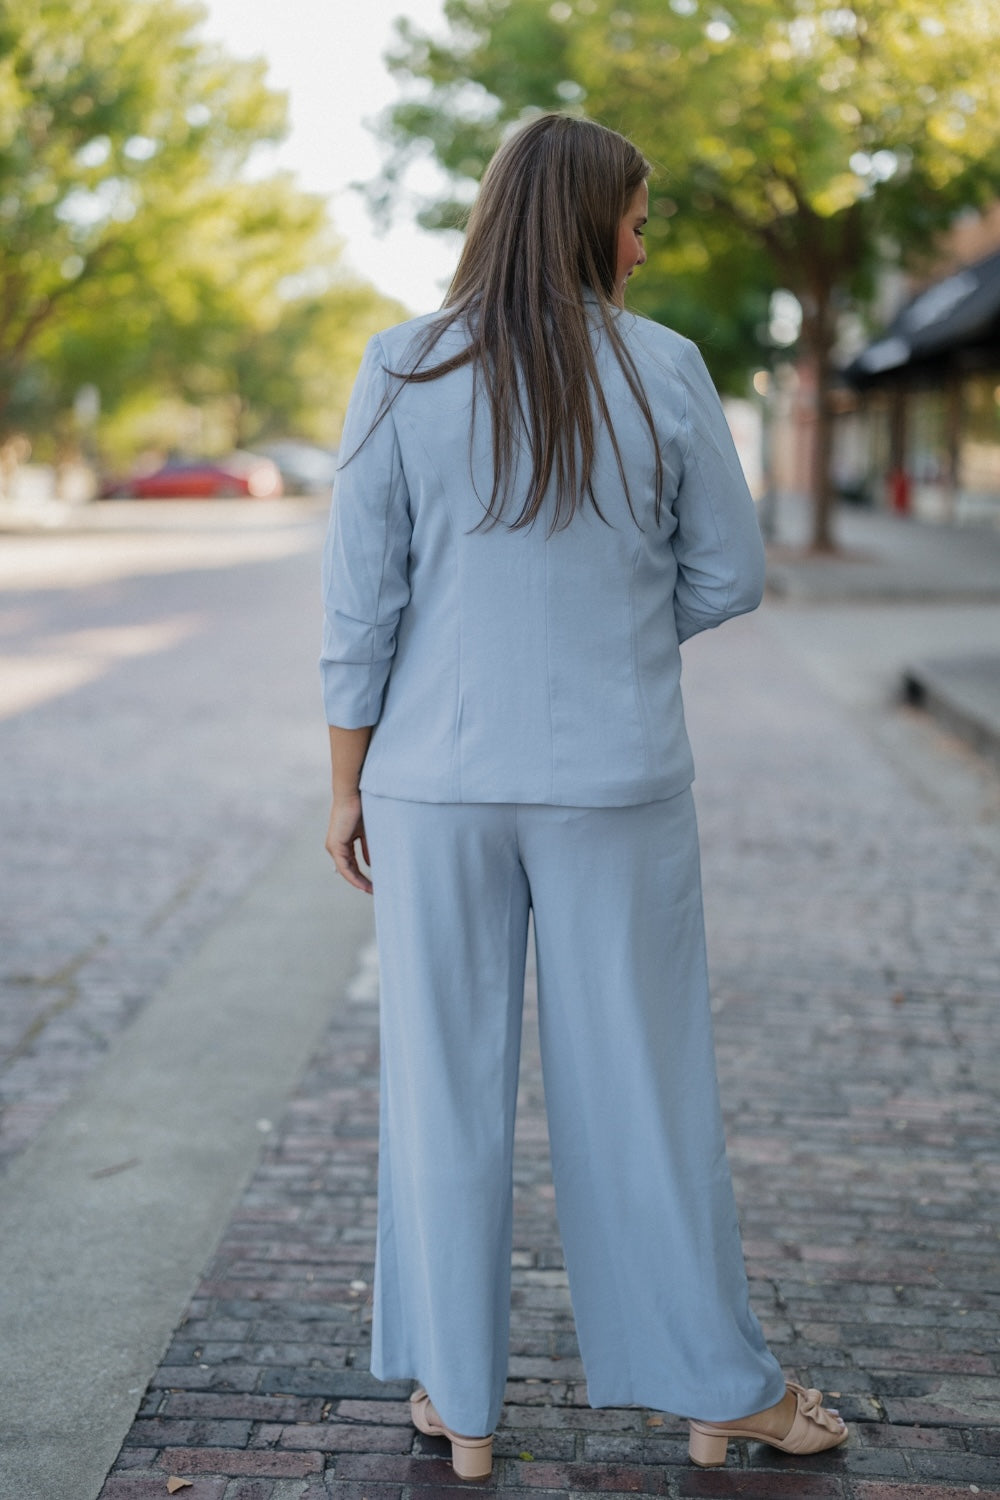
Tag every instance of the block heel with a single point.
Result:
(707, 1449)
(472, 1458)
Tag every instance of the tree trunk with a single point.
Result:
(953, 437)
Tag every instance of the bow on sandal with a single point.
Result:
(814, 1428)
(471, 1457)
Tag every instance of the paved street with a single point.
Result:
(851, 854)
(159, 738)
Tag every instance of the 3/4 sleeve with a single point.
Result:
(720, 555)
(365, 560)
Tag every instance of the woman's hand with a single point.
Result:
(346, 830)
(348, 748)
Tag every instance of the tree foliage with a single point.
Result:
(797, 143)
(135, 252)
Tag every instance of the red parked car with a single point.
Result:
(202, 479)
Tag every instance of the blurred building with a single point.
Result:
(919, 419)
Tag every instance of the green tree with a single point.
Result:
(296, 376)
(134, 253)
(237, 322)
(798, 144)
(111, 114)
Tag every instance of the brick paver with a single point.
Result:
(856, 974)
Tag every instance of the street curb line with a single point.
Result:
(939, 688)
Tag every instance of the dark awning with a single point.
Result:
(960, 312)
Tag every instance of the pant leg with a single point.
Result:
(451, 911)
(643, 1191)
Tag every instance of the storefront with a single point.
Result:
(929, 391)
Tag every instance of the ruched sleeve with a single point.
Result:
(717, 544)
(365, 560)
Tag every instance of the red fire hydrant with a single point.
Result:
(899, 492)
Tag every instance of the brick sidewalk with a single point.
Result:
(855, 969)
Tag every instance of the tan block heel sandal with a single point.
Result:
(813, 1429)
(471, 1457)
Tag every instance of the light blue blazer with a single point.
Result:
(515, 666)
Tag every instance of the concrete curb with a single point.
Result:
(109, 1218)
(885, 559)
(842, 582)
(963, 693)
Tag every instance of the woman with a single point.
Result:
(540, 500)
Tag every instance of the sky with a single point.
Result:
(327, 55)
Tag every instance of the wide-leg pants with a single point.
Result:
(643, 1191)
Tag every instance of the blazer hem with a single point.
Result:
(619, 794)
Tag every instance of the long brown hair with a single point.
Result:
(543, 230)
